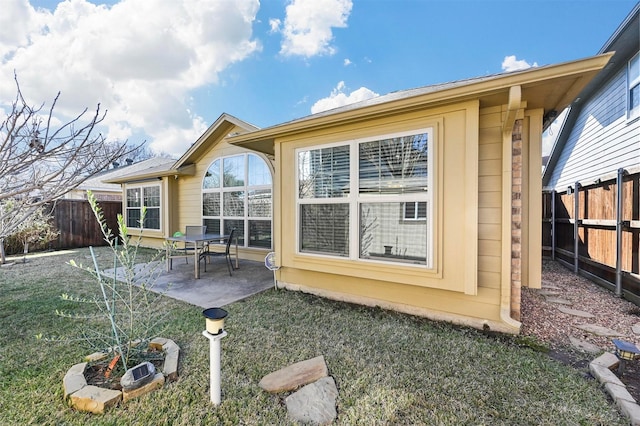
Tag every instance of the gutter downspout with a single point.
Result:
(515, 98)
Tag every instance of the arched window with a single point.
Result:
(236, 193)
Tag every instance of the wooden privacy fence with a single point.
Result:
(595, 230)
(78, 226)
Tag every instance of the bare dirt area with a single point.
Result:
(543, 320)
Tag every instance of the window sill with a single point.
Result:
(373, 269)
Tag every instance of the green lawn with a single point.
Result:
(390, 368)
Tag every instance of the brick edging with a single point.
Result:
(601, 368)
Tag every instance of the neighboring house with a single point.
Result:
(104, 191)
(592, 180)
(418, 201)
(601, 132)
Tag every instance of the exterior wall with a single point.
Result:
(154, 238)
(602, 138)
(465, 285)
(182, 201)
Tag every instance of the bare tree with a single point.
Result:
(39, 163)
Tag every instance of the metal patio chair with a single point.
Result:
(207, 252)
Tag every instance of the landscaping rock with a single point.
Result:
(559, 301)
(606, 360)
(549, 284)
(296, 375)
(604, 375)
(599, 330)
(618, 392)
(636, 329)
(94, 399)
(575, 312)
(584, 346)
(314, 403)
(631, 410)
(74, 379)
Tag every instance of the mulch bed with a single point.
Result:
(543, 321)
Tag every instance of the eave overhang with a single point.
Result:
(155, 174)
(217, 131)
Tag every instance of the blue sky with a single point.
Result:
(165, 70)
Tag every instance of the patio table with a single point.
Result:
(196, 240)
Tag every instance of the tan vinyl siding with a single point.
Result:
(490, 198)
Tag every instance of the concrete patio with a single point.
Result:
(214, 288)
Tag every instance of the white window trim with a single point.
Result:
(635, 113)
(416, 211)
(127, 208)
(354, 199)
(245, 189)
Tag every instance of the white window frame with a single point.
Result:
(246, 188)
(416, 211)
(634, 113)
(355, 199)
(142, 187)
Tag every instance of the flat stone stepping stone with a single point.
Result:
(550, 286)
(314, 403)
(636, 329)
(598, 330)
(575, 312)
(559, 301)
(296, 375)
(584, 346)
(546, 292)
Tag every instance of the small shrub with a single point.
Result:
(122, 316)
(34, 233)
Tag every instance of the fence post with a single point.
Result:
(576, 226)
(553, 224)
(619, 225)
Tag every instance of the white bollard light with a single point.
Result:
(214, 332)
(214, 365)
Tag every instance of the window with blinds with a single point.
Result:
(385, 181)
(145, 197)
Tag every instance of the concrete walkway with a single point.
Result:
(214, 288)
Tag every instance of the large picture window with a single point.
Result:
(143, 196)
(382, 184)
(633, 77)
(236, 193)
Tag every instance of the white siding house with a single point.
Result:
(602, 131)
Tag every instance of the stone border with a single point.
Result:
(94, 399)
(601, 368)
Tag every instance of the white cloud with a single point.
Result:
(338, 98)
(274, 24)
(510, 63)
(308, 24)
(347, 62)
(140, 59)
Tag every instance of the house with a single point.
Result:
(104, 191)
(214, 184)
(592, 179)
(418, 201)
(601, 132)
